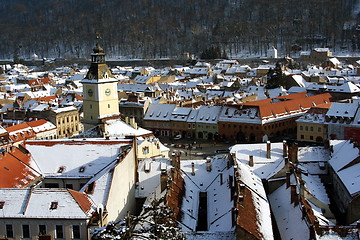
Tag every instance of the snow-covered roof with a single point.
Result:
(231, 114)
(180, 114)
(64, 109)
(289, 219)
(160, 112)
(347, 87)
(74, 158)
(259, 199)
(263, 167)
(219, 200)
(118, 128)
(344, 161)
(149, 171)
(208, 114)
(342, 110)
(43, 203)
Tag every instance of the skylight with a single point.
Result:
(53, 205)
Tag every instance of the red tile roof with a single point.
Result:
(82, 199)
(45, 80)
(20, 132)
(32, 82)
(290, 105)
(247, 216)
(16, 170)
(46, 99)
(17, 127)
(37, 123)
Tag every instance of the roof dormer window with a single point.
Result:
(53, 205)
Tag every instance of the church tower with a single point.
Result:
(100, 97)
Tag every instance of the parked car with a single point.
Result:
(177, 137)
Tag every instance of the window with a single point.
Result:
(319, 129)
(145, 150)
(311, 129)
(302, 136)
(90, 106)
(26, 231)
(59, 231)
(108, 105)
(76, 231)
(301, 128)
(306, 128)
(9, 231)
(69, 185)
(51, 185)
(42, 229)
(311, 137)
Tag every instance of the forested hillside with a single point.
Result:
(170, 28)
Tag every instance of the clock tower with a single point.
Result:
(100, 97)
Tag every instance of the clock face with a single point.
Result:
(90, 92)
(107, 92)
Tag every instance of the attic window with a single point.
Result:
(82, 169)
(2, 203)
(90, 188)
(61, 169)
(53, 205)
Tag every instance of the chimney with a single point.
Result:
(163, 180)
(127, 120)
(268, 149)
(288, 174)
(293, 152)
(251, 160)
(193, 169)
(284, 148)
(286, 159)
(221, 178)
(208, 165)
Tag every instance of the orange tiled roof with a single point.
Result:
(247, 216)
(82, 199)
(20, 132)
(44, 80)
(16, 170)
(32, 82)
(17, 127)
(46, 99)
(37, 123)
(294, 104)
